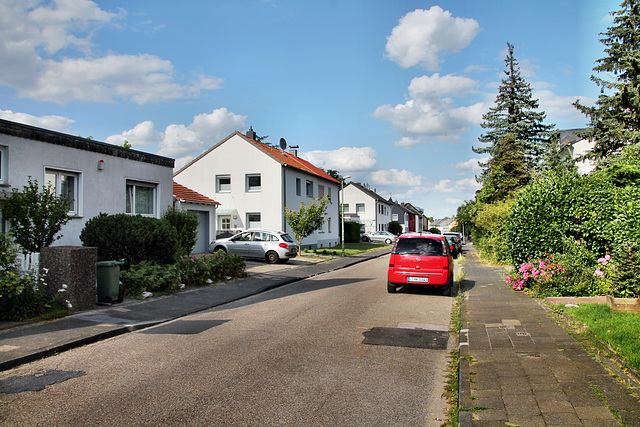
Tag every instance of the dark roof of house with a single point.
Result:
(413, 209)
(442, 222)
(370, 193)
(282, 157)
(570, 136)
(52, 137)
(188, 195)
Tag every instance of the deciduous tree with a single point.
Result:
(308, 218)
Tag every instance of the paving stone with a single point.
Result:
(561, 419)
(593, 413)
(488, 399)
(560, 406)
(490, 415)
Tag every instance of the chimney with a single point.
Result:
(251, 134)
(293, 150)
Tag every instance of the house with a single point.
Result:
(253, 182)
(93, 176)
(416, 215)
(205, 208)
(372, 210)
(573, 146)
(400, 214)
(445, 224)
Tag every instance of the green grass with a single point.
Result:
(618, 330)
(350, 249)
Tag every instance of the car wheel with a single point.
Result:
(272, 257)
(447, 290)
(219, 249)
(391, 287)
(388, 241)
(365, 239)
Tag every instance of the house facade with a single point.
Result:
(373, 212)
(253, 182)
(93, 176)
(445, 224)
(400, 214)
(572, 146)
(204, 207)
(416, 217)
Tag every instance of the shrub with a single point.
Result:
(131, 238)
(351, 232)
(394, 227)
(150, 277)
(625, 274)
(198, 271)
(490, 231)
(186, 225)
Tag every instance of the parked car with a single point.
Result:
(458, 236)
(422, 260)
(453, 245)
(272, 246)
(380, 236)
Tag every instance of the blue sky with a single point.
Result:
(389, 92)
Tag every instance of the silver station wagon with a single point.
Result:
(272, 246)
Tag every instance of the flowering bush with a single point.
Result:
(538, 272)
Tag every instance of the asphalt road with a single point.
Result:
(336, 349)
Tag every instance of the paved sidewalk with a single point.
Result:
(27, 342)
(523, 368)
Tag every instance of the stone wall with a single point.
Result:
(72, 268)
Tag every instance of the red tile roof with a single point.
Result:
(289, 159)
(183, 193)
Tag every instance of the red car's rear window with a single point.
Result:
(420, 246)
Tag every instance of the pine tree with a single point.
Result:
(615, 119)
(515, 113)
(507, 172)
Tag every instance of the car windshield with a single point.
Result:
(287, 238)
(418, 246)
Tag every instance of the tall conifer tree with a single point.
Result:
(515, 113)
(615, 119)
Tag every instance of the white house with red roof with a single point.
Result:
(253, 182)
(204, 207)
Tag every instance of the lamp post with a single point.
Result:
(344, 178)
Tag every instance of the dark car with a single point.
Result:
(453, 245)
(419, 259)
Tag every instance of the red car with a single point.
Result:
(422, 260)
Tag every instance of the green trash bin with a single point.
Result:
(108, 283)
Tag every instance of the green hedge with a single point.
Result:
(132, 238)
(351, 232)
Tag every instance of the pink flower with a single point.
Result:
(598, 272)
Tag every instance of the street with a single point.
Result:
(335, 349)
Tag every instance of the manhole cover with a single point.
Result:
(37, 382)
(412, 338)
(184, 327)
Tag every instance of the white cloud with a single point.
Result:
(431, 110)
(407, 141)
(57, 123)
(471, 165)
(205, 131)
(142, 134)
(559, 109)
(462, 185)
(422, 36)
(345, 159)
(35, 34)
(396, 177)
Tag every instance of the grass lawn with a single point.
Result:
(350, 249)
(619, 330)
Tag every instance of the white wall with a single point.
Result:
(99, 190)
(371, 219)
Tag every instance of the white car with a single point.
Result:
(272, 246)
(380, 236)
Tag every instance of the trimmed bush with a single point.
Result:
(351, 232)
(186, 225)
(131, 238)
(151, 277)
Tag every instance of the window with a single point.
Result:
(141, 198)
(223, 183)
(394, 217)
(309, 189)
(253, 220)
(345, 207)
(329, 192)
(320, 190)
(3, 164)
(298, 187)
(328, 225)
(65, 185)
(225, 222)
(253, 182)
(359, 208)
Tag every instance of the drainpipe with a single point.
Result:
(284, 197)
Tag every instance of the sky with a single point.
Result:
(391, 93)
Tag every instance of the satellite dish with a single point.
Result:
(283, 143)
